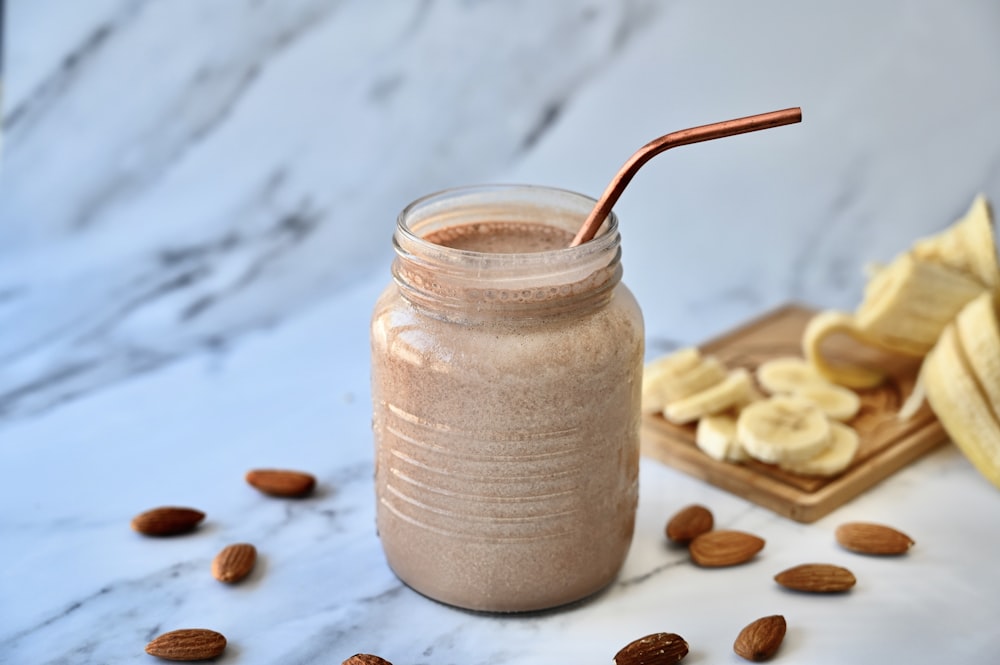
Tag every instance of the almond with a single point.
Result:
(869, 538)
(689, 523)
(655, 649)
(187, 644)
(816, 578)
(167, 521)
(365, 659)
(234, 562)
(761, 639)
(724, 548)
(282, 482)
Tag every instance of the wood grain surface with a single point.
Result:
(887, 443)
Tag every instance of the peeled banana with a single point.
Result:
(938, 301)
(908, 303)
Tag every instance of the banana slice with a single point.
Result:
(967, 245)
(836, 402)
(716, 437)
(960, 405)
(733, 390)
(787, 375)
(664, 371)
(909, 302)
(707, 373)
(786, 428)
(844, 443)
(678, 376)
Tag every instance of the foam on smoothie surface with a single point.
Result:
(502, 237)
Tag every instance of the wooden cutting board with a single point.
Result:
(887, 444)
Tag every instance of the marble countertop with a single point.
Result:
(196, 205)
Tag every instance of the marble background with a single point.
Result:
(196, 205)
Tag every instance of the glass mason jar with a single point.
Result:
(505, 389)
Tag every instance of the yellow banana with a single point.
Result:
(961, 405)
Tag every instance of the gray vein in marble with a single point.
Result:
(652, 573)
(222, 279)
(223, 83)
(103, 608)
(89, 353)
(51, 91)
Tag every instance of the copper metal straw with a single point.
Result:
(716, 130)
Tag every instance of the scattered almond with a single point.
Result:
(365, 659)
(234, 562)
(761, 639)
(689, 523)
(869, 538)
(816, 578)
(282, 482)
(655, 649)
(167, 521)
(187, 644)
(716, 549)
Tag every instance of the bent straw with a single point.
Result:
(716, 130)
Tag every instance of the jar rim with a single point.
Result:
(606, 237)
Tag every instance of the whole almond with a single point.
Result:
(689, 523)
(816, 578)
(282, 482)
(187, 644)
(234, 562)
(365, 659)
(761, 639)
(716, 549)
(869, 538)
(655, 649)
(167, 521)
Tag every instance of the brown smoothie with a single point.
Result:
(507, 444)
(502, 237)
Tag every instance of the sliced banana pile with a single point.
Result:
(796, 427)
(936, 302)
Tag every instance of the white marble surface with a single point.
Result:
(196, 200)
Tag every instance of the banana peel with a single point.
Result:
(938, 303)
(957, 396)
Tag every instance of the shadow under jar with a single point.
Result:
(506, 377)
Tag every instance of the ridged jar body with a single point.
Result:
(506, 406)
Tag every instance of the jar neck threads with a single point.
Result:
(457, 282)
